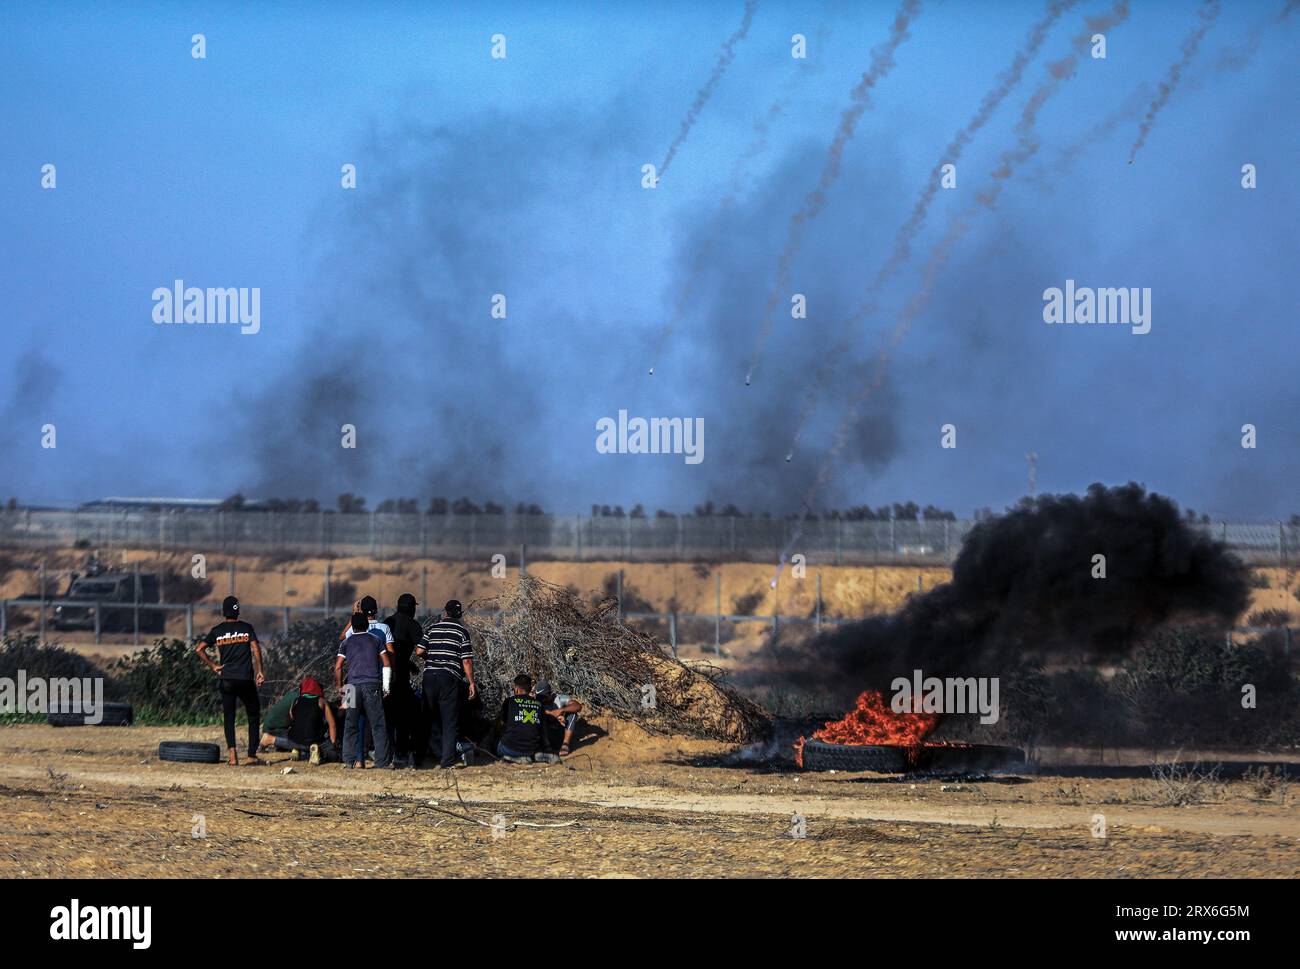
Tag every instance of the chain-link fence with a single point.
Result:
(383, 535)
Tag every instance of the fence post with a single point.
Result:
(328, 574)
(4, 619)
(98, 628)
(286, 619)
(424, 583)
(232, 577)
(679, 538)
(135, 634)
(817, 621)
(523, 562)
(717, 619)
(577, 537)
(189, 623)
(42, 583)
(672, 631)
(620, 595)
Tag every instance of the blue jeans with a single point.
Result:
(505, 751)
(370, 704)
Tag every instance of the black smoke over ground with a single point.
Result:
(448, 401)
(1023, 588)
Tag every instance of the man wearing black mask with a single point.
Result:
(400, 706)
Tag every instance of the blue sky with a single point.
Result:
(522, 176)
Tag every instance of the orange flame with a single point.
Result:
(872, 722)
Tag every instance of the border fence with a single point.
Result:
(394, 535)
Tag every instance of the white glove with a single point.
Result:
(388, 678)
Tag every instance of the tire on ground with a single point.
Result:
(823, 756)
(973, 757)
(114, 715)
(189, 752)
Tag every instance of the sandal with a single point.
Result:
(564, 750)
(252, 760)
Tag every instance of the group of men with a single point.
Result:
(405, 690)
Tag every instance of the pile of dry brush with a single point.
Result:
(550, 633)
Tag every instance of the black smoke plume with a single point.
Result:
(1023, 588)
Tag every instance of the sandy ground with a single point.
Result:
(98, 802)
(847, 591)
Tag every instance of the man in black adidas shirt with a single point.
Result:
(239, 673)
(523, 734)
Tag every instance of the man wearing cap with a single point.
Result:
(368, 607)
(448, 666)
(239, 673)
(400, 706)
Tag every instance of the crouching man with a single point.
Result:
(312, 731)
(368, 681)
(523, 734)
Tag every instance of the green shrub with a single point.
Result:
(48, 661)
(168, 683)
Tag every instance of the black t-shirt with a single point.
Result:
(233, 639)
(523, 731)
(406, 636)
(309, 725)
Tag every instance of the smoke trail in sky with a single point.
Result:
(882, 62)
(725, 57)
(740, 172)
(701, 261)
(1006, 82)
(1025, 147)
(1227, 60)
(1191, 44)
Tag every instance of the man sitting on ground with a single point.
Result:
(523, 735)
(313, 731)
(561, 712)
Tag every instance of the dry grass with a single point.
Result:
(1178, 785)
(549, 632)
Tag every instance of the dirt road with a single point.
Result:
(97, 801)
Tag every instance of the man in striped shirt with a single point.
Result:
(448, 665)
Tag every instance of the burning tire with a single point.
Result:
(819, 755)
(187, 752)
(971, 757)
(114, 715)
